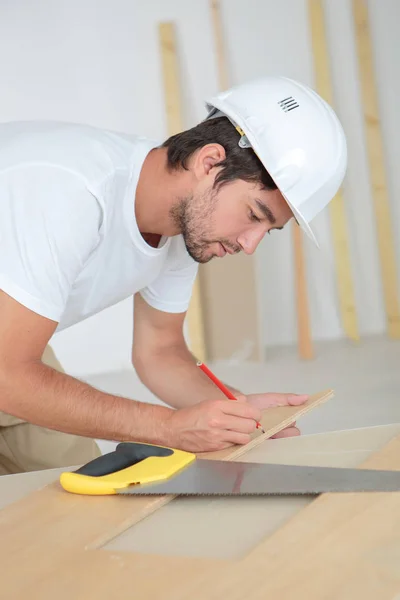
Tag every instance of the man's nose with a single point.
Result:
(250, 240)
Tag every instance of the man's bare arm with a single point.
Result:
(163, 361)
(41, 395)
(166, 366)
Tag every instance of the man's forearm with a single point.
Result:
(173, 376)
(39, 394)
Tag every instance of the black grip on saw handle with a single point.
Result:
(125, 455)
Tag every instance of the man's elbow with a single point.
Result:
(139, 363)
(10, 380)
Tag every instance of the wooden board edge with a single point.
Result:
(296, 412)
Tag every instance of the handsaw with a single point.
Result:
(145, 469)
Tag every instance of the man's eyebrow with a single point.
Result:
(267, 212)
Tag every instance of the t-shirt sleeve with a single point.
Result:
(172, 289)
(49, 226)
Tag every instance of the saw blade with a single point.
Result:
(222, 478)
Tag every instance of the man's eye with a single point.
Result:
(253, 217)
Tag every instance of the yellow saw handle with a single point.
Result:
(129, 464)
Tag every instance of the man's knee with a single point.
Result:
(34, 448)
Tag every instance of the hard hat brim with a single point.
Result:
(302, 223)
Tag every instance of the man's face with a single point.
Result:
(233, 219)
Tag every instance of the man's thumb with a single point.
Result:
(241, 397)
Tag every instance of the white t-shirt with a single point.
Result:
(69, 241)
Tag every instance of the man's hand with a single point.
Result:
(212, 425)
(268, 400)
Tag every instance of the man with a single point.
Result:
(90, 217)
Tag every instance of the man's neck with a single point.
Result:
(156, 193)
(152, 239)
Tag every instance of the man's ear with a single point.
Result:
(206, 158)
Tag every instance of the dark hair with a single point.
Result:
(239, 163)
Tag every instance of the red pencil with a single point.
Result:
(221, 386)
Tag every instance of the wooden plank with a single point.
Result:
(305, 344)
(57, 536)
(231, 310)
(347, 305)
(245, 271)
(376, 160)
(170, 71)
(222, 67)
(273, 420)
(174, 112)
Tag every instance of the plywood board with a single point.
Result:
(58, 559)
(57, 533)
(231, 318)
(173, 107)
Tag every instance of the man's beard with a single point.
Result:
(193, 217)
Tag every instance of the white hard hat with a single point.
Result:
(295, 134)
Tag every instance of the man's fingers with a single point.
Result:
(271, 399)
(234, 437)
(241, 398)
(296, 399)
(238, 424)
(240, 409)
(288, 432)
(285, 399)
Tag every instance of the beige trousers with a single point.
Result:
(26, 447)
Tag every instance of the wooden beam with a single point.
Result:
(347, 303)
(376, 161)
(304, 332)
(222, 67)
(173, 107)
(303, 320)
(230, 285)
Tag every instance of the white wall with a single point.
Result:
(97, 61)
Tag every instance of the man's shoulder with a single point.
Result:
(75, 146)
(48, 126)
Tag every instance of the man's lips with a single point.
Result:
(229, 250)
(221, 250)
